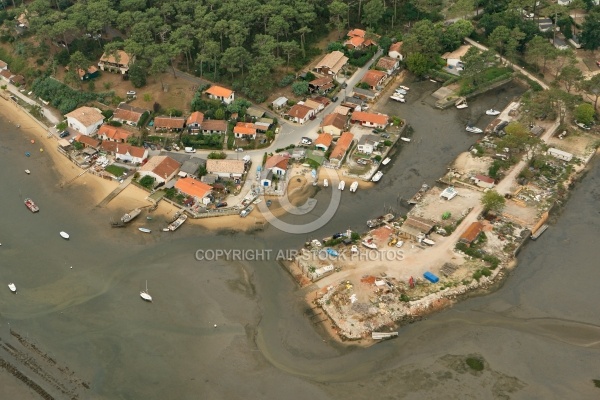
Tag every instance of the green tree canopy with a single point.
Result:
(585, 113)
(493, 201)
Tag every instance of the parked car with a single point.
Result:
(190, 150)
(64, 134)
(334, 99)
(306, 140)
(222, 204)
(168, 148)
(239, 149)
(385, 135)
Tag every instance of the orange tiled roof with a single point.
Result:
(372, 77)
(88, 141)
(355, 41)
(129, 113)
(396, 47)
(324, 139)
(162, 166)
(342, 146)
(299, 111)
(244, 129)
(278, 160)
(195, 118)
(215, 125)
(110, 58)
(219, 91)
(472, 232)
(334, 119)
(192, 187)
(357, 32)
(113, 132)
(362, 116)
(169, 122)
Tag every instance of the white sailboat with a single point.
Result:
(145, 295)
(12, 287)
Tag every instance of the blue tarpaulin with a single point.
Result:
(431, 277)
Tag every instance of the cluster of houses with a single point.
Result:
(17, 80)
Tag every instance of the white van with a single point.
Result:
(190, 150)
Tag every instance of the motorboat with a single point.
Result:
(246, 211)
(27, 171)
(325, 183)
(369, 243)
(401, 91)
(386, 161)
(404, 87)
(461, 106)
(398, 98)
(144, 293)
(473, 129)
(131, 215)
(12, 287)
(461, 103)
(145, 230)
(491, 111)
(332, 252)
(31, 205)
(64, 235)
(405, 139)
(178, 222)
(342, 185)
(377, 176)
(354, 186)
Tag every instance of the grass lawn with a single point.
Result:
(115, 170)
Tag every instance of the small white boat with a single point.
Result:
(404, 87)
(325, 183)
(64, 235)
(369, 243)
(342, 185)
(461, 103)
(354, 186)
(405, 139)
(144, 293)
(473, 129)
(491, 111)
(27, 171)
(377, 176)
(461, 106)
(398, 98)
(12, 287)
(145, 230)
(386, 161)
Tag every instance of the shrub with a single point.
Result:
(475, 363)
(115, 123)
(486, 272)
(147, 182)
(477, 275)
(217, 155)
(287, 80)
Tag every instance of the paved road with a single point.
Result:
(48, 112)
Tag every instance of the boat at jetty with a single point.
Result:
(64, 235)
(373, 223)
(12, 287)
(130, 216)
(369, 243)
(473, 129)
(377, 176)
(354, 186)
(386, 161)
(246, 211)
(31, 205)
(491, 111)
(145, 230)
(144, 293)
(342, 185)
(178, 222)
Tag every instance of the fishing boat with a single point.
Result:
(131, 215)
(386, 161)
(144, 293)
(404, 87)
(491, 111)
(27, 171)
(342, 185)
(246, 211)
(31, 205)
(473, 129)
(178, 222)
(398, 98)
(354, 186)
(12, 287)
(405, 139)
(145, 230)
(64, 235)
(373, 223)
(377, 176)
(369, 243)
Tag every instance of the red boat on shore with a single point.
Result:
(31, 205)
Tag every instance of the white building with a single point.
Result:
(132, 154)
(561, 155)
(161, 168)
(367, 144)
(85, 120)
(220, 93)
(226, 168)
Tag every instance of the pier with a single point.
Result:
(115, 192)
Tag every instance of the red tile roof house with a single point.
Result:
(132, 154)
(113, 134)
(87, 141)
(322, 85)
(169, 124)
(244, 131)
(334, 124)
(278, 164)
(109, 147)
(161, 168)
(127, 114)
(194, 122)
(388, 64)
(341, 148)
(220, 93)
(395, 51)
(483, 181)
(356, 39)
(6, 75)
(369, 119)
(323, 141)
(118, 62)
(195, 189)
(300, 113)
(374, 78)
(472, 232)
(214, 126)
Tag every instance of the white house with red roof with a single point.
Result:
(278, 163)
(194, 122)
(370, 119)
(300, 113)
(220, 93)
(132, 154)
(396, 51)
(113, 133)
(244, 130)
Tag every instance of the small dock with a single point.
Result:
(539, 232)
(115, 192)
(383, 335)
